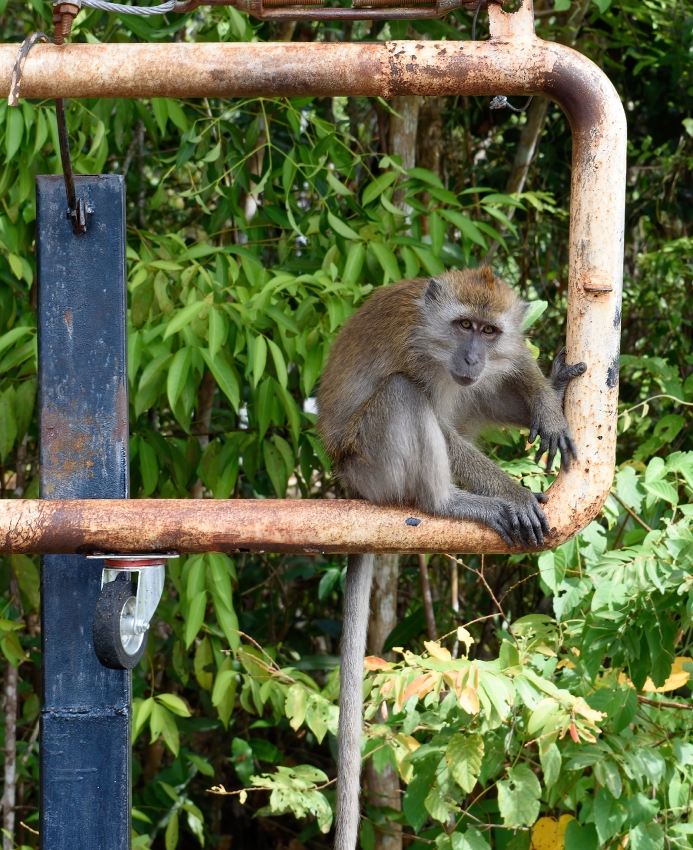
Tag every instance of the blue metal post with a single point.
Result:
(83, 426)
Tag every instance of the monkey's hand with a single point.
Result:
(548, 421)
(520, 519)
(562, 375)
(552, 429)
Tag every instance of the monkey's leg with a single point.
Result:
(354, 631)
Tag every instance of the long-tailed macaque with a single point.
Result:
(411, 380)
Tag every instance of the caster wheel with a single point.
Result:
(115, 642)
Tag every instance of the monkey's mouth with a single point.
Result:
(463, 380)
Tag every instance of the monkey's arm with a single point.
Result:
(480, 475)
(541, 400)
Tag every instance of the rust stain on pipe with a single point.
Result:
(512, 62)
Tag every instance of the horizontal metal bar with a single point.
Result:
(238, 525)
(512, 62)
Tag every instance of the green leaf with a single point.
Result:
(432, 264)
(183, 318)
(378, 186)
(259, 359)
(219, 571)
(169, 729)
(225, 681)
(178, 374)
(550, 757)
(217, 330)
(153, 369)
(533, 312)
(6, 340)
(160, 112)
(171, 837)
(337, 186)
(149, 467)
(464, 754)
(416, 793)
(8, 423)
(288, 173)
(609, 815)
(279, 364)
(342, 228)
(24, 399)
(196, 616)
(387, 260)
(204, 658)
(174, 704)
(223, 375)
(465, 225)
(227, 619)
(354, 263)
(518, 797)
(141, 712)
(663, 490)
(27, 575)
(425, 176)
(472, 839)
(14, 131)
(201, 764)
(579, 837)
(276, 468)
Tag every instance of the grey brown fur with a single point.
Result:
(411, 380)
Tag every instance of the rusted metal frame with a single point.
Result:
(512, 62)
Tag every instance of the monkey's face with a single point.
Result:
(476, 338)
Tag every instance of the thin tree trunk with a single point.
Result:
(429, 143)
(455, 600)
(383, 603)
(431, 627)
(403, 132)
(10, 791)
(383, 788)
(205, 397)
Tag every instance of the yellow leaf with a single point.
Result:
(677, 678)
(464, 637)
(549, 833)
(407, 741)
(422, 685)
(588, 713)
(437, 651)
(469, 701)
(372, 662)
(564, 662)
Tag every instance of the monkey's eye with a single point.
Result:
(465, 323)
(488, 329)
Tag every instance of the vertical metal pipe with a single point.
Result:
(83, 425)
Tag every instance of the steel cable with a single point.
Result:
(121, 9)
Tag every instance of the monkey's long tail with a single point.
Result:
(356, 614)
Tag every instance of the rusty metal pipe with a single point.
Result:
(512, 62)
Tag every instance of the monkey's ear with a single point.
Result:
(433, 291)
